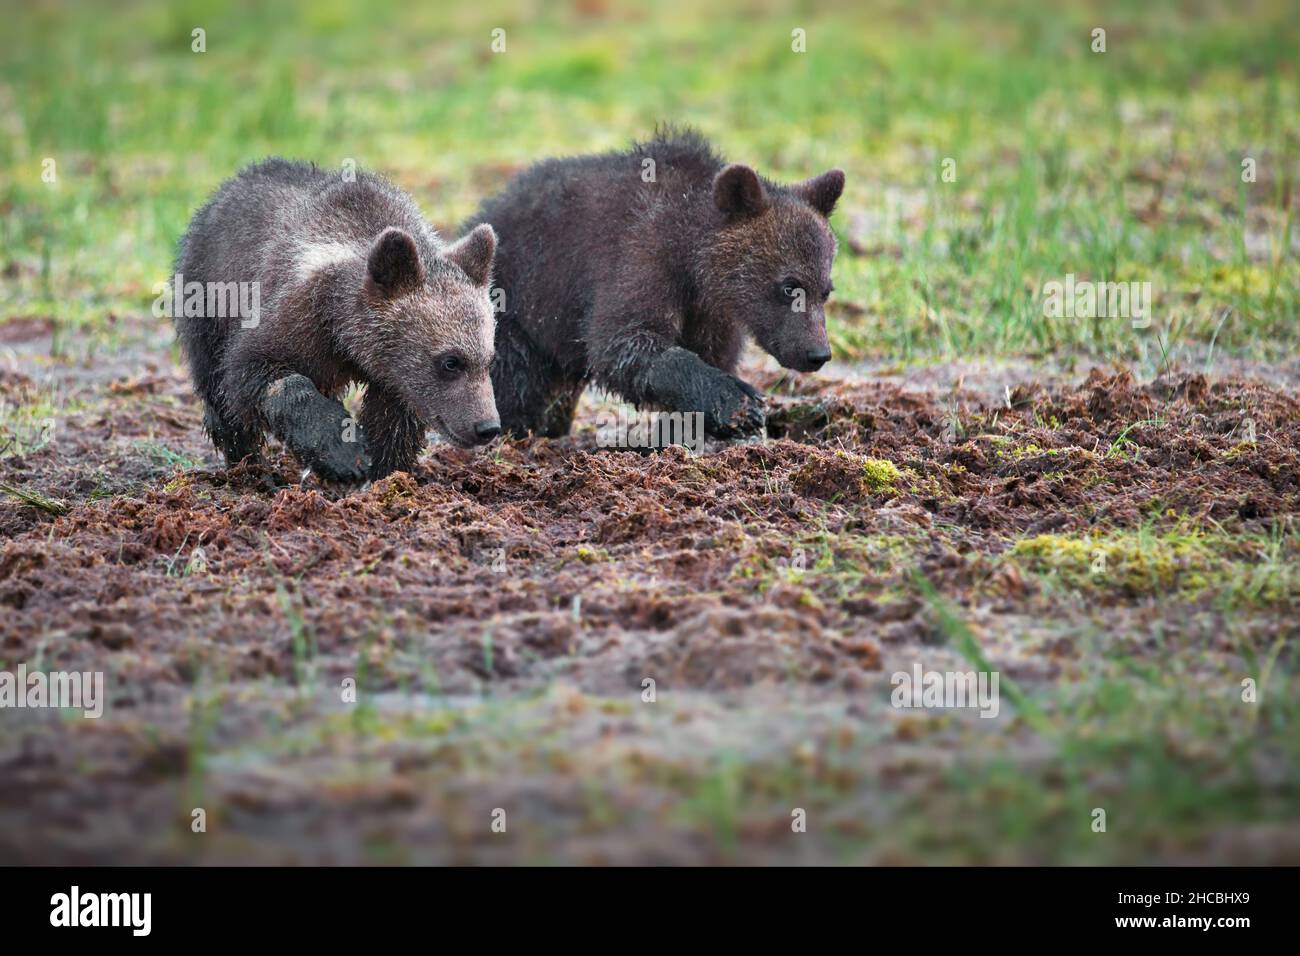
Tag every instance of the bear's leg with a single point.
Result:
(679, 380)
(234, 440)
(204, 342)
(533, 395)
(557, 416)
(646, 373)
(394, 436)
(317, 429)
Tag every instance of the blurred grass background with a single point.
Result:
(1116, 166)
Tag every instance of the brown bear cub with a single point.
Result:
(642, 271)
(351, 285)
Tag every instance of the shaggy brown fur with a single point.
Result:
(354, 287)
(642, 271)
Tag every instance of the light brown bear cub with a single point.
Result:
(352, 285)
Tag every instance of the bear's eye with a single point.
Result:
(451, 365)
(789, 287)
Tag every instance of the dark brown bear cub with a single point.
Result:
(643, 271)
(351, 285)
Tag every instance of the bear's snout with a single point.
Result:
(487, 430)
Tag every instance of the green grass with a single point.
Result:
(163, 456)
(36, 500)
(1170, 751)
(1119, 166)
(32, 420)
(834, 566)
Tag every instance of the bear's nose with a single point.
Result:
(818, 357)
(487, 430)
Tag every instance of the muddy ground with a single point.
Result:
(501, 610)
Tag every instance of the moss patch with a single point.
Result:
(843, 476)
(1234, 571)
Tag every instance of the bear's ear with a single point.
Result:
(737, 191)
(394, 261)
(822, 192)
(474, 253)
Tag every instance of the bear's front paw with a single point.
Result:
(737, 409)
(342, 461)
(332, 444)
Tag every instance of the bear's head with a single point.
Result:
(768, 266)
(431, 342)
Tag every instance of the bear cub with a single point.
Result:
(354, 286)
(643, 271)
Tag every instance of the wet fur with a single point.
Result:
(648, 289)
(355, 286)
